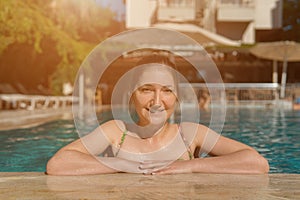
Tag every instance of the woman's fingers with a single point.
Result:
(122, 164)
(144, 167)
(174, 168)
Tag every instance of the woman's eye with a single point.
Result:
(145, 90)
(167, 90)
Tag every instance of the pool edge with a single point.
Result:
(37, 185)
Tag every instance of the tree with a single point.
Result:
(43, 42)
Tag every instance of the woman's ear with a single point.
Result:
(131, 97)
(132, 111)
(129, 94)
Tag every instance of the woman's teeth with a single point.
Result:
(154, 110)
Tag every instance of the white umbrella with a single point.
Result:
(284, 51)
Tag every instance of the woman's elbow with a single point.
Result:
(255, 163)
(53, 166)
(263, 165)
(58, 164)
(260, 165)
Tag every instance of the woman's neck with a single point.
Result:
(147, 131)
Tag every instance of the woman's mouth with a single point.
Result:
(155, 109)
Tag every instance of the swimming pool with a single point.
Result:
(274, 133)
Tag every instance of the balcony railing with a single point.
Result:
(177, 3)
(176, 10)
(241, 94)
(237, 3)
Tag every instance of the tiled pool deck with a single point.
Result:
(32, 185)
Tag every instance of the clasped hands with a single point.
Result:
(148, 167)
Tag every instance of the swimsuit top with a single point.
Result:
(191, 156)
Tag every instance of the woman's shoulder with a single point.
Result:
(112, 128)
(114, 124)
(193, 132)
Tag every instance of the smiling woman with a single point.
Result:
(152, 144)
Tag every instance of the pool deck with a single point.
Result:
(36, 185)
(14, 119)
(22, 118)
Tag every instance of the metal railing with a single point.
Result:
(176, 3)
(31, 102)
(239, 3)
(241, 94)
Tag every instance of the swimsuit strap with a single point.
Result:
(121, 142)
(188, 147)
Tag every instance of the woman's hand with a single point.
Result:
(122, 165)
(166, 167)
(145, 167)
(177, 167)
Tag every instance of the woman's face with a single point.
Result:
(154, 99)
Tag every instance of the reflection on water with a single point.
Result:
(29, 149)
(273, 132)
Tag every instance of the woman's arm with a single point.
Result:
(78, 157)
(81, 156)
(241, 162)
(74, 159)
(227, 156)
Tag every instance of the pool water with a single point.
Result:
(273, 133)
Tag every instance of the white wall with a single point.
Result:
(268, 14)
(241, 14)
(249, 34)
(139, 13)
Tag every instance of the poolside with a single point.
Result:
(133, 186)
(13, 119)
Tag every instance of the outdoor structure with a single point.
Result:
(31, 102)
(236, 20)
(223, 23)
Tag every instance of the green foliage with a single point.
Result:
(72, 27)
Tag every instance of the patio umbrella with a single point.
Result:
(284, 51)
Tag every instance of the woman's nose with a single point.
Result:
(157, 98)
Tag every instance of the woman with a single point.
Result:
(152, 145)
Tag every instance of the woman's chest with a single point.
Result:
(137, 149)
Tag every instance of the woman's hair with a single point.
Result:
(165, 60)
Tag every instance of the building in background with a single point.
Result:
(242, 21)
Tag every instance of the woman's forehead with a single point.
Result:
(155, 74)
(155, 85)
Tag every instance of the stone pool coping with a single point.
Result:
(36, 185)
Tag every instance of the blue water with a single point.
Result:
(274, 133)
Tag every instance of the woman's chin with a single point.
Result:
(156, 120)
